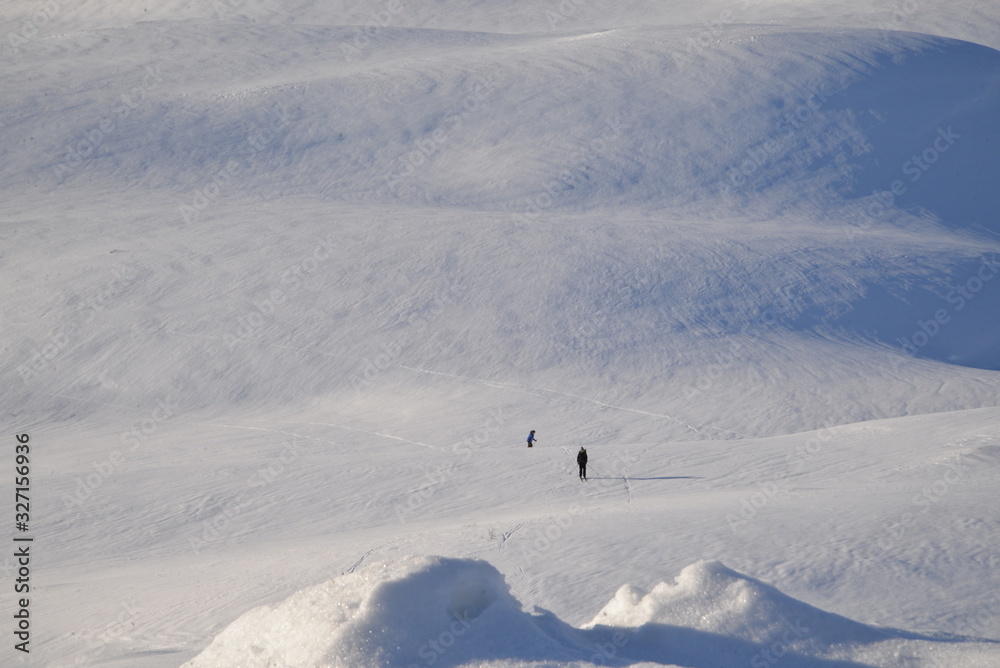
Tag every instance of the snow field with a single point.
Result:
(287, 283)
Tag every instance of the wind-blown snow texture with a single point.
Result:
(287, 284)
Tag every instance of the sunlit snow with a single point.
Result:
(287, 283)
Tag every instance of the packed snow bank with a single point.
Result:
(710, 597)
(453, 612)
(417, 611)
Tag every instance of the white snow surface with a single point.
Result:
(286, 284)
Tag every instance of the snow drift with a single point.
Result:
(456, 612)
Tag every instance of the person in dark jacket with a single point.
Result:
(531, 438)
(581, 460)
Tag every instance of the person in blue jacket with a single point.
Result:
(531, 438)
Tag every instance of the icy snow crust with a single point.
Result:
(286, 284)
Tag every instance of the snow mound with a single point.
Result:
(423, 611)
(741, 616)
(710, 597)
(409, 612)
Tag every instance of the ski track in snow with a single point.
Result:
(502, 547)
(267, 344)
(322, 440)
(267, 429)
(381, 434)
(360, 560)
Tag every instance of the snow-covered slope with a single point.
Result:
(768, 118)
(701, 210)
(286, 284)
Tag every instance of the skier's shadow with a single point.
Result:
(673, 477)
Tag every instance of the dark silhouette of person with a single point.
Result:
(531, 438)
(581, 460)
